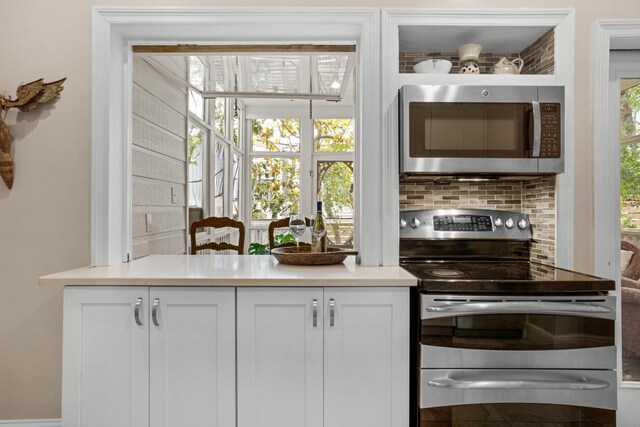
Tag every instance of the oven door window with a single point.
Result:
(520, 414)
(470, 130)
(526, 332)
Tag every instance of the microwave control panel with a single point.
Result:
(551, 140)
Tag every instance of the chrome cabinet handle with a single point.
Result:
(136, 312)
(537, 129)
(315, 312)
(332, 312)
(579, 384)
(154, 311)
(544, 307)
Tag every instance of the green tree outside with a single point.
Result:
(276, 181)
(629, 156)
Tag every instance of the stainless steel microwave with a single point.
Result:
(468, 130)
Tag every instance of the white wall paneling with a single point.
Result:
(158, 164)
(116, 29)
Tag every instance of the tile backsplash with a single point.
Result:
(538, 58)
(535, 197)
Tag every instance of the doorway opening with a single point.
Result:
(250, 132)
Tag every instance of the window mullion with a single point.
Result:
(210, 176)
(307, 196)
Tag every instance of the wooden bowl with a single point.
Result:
(290, 255)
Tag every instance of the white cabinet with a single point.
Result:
(106, 358)
(124, 366)
(137, 356)
(366, 357)
(192, 357)
(348, 369)
(280, 357)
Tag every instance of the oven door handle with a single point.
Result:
(580, 384)
(531, 307)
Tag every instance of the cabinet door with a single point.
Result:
(366, 357)
(279, 357)
(105, 357)
(192, 357)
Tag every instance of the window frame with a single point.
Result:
(211, 138)
(117, 29)
(308, 159)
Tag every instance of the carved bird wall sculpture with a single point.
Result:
(28, 97)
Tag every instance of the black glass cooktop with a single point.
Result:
(502, 276)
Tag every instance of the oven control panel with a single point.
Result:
(464, 224)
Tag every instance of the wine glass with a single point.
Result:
(297, 225)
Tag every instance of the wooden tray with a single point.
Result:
(290, 255)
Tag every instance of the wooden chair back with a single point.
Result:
(283, 223)
(217, 222)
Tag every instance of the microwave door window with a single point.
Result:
(504, 130)
(468, 130)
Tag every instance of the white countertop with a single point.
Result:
(229, 270)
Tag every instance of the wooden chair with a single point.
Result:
(217, 222)
(283, 223)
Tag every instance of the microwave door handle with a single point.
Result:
(537, 129)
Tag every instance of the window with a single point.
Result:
(630, 218)
(218, 188)
(275, 168)
(296, 162)
(333, 155)
(195, 162)
(630, 160)
(197, 74)
(236, 171)
(215, 153)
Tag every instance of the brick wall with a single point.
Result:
(538, 58)
(534, 197)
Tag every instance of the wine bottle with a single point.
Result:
(319, 231)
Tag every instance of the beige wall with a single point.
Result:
(44, 220)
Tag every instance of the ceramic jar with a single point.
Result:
(470, 68)
(504, 66)
(469, 52)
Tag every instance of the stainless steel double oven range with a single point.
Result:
(501, 340)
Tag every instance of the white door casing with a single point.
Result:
(609, 67)
(192, 357)
(106, 357)
(280, 368)
(116, 29)
(366, 357)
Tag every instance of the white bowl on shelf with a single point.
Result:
(433, 66)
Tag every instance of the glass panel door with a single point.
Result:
(630, 226)
(335, 189)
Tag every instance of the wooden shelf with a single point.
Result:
(477, 79)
